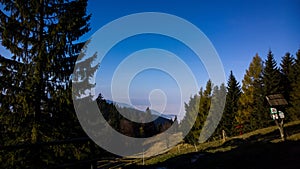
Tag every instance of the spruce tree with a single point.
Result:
(294, 109)
(260, 117)
(215, 114)
(205, 103)
(149, 127)
(271, 76)
(288, 76)
(228, 122)
(272, 84)
(188, 123)
(287, 71)
(42, 37)
(199, 105)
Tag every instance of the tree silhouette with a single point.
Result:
(36, 96)
(228, 122)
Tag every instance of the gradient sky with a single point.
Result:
(238, 30)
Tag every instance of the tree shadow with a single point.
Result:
(256, 151)
(257, 155)
(259, 138)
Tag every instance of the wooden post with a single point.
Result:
(281, 130)
(223, 136)
(276, 100)
(178, 148)
(143, 157)
(195, 147)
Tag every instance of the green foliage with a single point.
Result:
(272, 84)
(112, 114)
(246, 108)
(205, 99)
(215, 112)
(149, 128)
(288, 76)
(271, 76)
(188, 123)
(228, 122)
(199, 105)
(251, 85)
(294, 109)
(36, 95)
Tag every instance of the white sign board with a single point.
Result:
(281, 114)
(273, 110)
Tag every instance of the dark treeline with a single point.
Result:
(246, 108)
(111, 113)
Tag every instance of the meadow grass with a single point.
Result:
(269, 134)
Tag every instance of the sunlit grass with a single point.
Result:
(219, 146)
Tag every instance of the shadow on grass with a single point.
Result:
(293, 129)
(267, 137)
(254, 152)
(283, 155)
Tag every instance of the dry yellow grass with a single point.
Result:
(219, 146)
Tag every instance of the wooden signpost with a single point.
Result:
(276, 101)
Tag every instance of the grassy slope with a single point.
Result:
(258, 149)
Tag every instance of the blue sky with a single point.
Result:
(237, 29)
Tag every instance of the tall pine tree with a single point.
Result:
(288, 76)
(42, 36)
(199, 105)
(294, 109)
(190, 124)
(272, 84)
(228, 122)
(271, 76)
(215, 113)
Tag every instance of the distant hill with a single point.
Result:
(153, 112)
(129, 122)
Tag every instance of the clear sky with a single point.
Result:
(238, 29)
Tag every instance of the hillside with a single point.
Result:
(133, 122)
(258, 149)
